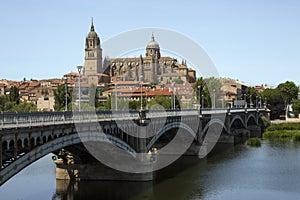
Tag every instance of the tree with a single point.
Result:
(274, 102)
(252, 96)
(93, 95)
(210, 88)
(289, 91)
(214, 86)
(60, 97)
(296, 106)
(14, 94)
(160, 100)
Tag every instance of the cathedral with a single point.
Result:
(151, 68)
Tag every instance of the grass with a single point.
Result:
(284, 130)
(254, 142)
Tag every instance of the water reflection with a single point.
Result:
(66, 190)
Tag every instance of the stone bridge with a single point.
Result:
(26, 137)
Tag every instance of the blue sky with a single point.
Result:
(255, 41)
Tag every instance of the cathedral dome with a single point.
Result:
(153, 44)
(92, 34)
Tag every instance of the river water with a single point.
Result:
(271, 171)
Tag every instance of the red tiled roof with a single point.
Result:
(71, 74)
(33, 84)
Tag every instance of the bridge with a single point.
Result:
(26, 137)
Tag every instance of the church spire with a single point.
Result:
(92, 25)
(152, 37)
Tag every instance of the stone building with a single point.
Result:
(152, 67)
(93, 58)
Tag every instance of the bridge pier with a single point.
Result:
(255, 131)
(96, 171)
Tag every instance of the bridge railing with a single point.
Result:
(15, 119)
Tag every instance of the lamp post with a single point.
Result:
(79, 68)
(214, 102)
(202, 98)
(141, 77)
(256, 102)
(245, 100)
(199, 88)
(147, 98)
(116, 97)
(251, 104)
(66, 93)
(174, 91)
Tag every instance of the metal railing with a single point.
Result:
(29, 119)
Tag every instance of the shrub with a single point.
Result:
(254, 142)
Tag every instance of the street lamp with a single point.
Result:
(79, 68)
(199, 88)
(251, 103)
(174, 91)
(141, 77)
(202, 98)
(147, 98)
(256, 102)
(66, 93)
(214, 102)
(116, 97)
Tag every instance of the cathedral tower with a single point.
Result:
(93, 57)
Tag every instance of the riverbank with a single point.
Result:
(288, 120)
(289, 130)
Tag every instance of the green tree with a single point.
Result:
(60, 97)
(25, 107)
(163, 101)
(201, 91)
(274, 102)
(252, 95)
(3, 101)
(208, 88)
(93, 95)
(134, 105)
(296, 106)
(289, 91)
(14, 94)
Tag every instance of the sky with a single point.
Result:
(253, 41)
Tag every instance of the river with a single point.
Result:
(271, 171)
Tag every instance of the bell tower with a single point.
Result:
(93, 57)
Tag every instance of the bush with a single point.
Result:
(284, 131)
(284, 126)
(254, 142)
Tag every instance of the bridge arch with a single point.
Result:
(252, 118)
(38, 151)
(211, 122)
(167, 128)
(11, 144)
(235, 119)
